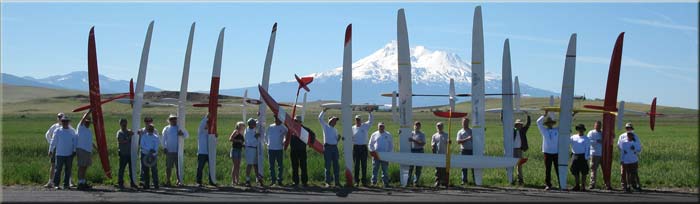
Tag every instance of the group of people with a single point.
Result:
(65, 142)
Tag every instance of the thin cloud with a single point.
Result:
(667, 70)
(660, 24)
(528, 38)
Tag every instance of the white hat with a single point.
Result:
(358, 117)
(381, 124)
(172, 116)
(439, 124)
(629, 125)
(60, 114)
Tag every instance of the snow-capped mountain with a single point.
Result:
(378, 73)
(77, 80)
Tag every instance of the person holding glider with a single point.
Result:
(520, 144)
(124, 136)
(417, 140)
(580, 148)
(169, 139)
(251, 146)
(83, 150)
(63, 143)
(630, 146)
(596, 138)
(439, 144)
(360, 133)
(550, 138)
(381, 141)
(149, 156)
(298, 156)
(276, 134)
(203, 150)
(237, 140)
(464, 138)
(330, 148)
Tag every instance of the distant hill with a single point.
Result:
(72, 81)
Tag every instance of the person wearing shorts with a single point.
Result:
(580, 148)
(237, 140)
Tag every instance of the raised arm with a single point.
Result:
(371, 119)
(320, 118)
(527, 124)
(540, 125)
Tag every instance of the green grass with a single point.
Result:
(669, 158)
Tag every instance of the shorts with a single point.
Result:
(235, 153)
(52, 156)
(251, 155)
(579, 164)
(170, 159)
(517, 153)
(84, 158)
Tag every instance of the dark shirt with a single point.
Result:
(523, 134)
(238, 145)
(124, 143)
(297, 144)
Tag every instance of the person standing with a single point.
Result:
(298, 156)
(276, 136)
(550, 149)
(360, 133)
(84, 150)
(381, 141)
(580, 148)
(251, 151)
(330, 148)
(236, 138)
(170, 141)
(149, 156)
(417, 140)
(595, 136)
(124, 136)
(147, 120)
(439, 144)
(52, 155)
(464, 138)
(63, 143)
(203, 150)
(520, 144)
(630, 146)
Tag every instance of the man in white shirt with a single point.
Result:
(439, 145)
(276, 136)
(596, 138)
(550, 149)
(52, 156)
(203, 150)
(149, 150)
(464, 138)
(84, 150)
(630, 146)
(170, 141)
(380, 141)
(63, 143)
(330, 148)
(251, 138)
(580, 149)
(417, 140)
(360, 133)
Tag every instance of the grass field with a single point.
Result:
(669, 158)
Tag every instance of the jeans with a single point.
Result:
(147, 171)
(61, 162)
(595, 162)
(299, 162)
(123, 161)
(418, 169)
(376, 164)
(275, 156)
(359, 156)
(465, 172)
(201, 159)
(330, 156)
(550, 160)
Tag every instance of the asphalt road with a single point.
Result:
(318, 194)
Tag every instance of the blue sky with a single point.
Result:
(660, 55)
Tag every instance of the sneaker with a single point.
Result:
(546, 188)
(49, 185)
(638, 188)
(199, 185)
(180, 184)
(436, 184)
(591, 187)
(327, 185)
